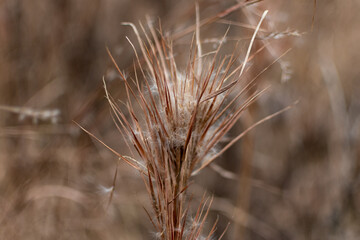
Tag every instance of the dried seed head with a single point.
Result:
(182, 116)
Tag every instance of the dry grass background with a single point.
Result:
(295, 177)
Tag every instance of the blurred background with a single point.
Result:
(294, 177)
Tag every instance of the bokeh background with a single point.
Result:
(294, 177)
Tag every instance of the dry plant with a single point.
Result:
(176, 120)
(296, 177)
(36, 115)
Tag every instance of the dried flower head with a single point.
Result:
(181, 116)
